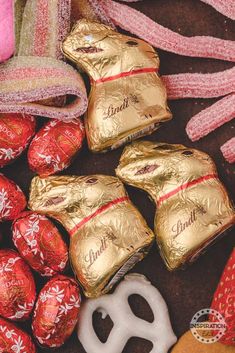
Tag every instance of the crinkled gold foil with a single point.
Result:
(108, 234)
(127, 98)
(193, 207)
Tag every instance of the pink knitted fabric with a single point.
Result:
(7, 37)
(228, 150)
(211, 118)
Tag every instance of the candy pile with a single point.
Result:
(144, 101)
(108, 235)
(122, 237)
(182, 85)
(176, 176)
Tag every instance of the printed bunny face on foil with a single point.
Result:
(108, 234)
(193, 207)
(127, 99)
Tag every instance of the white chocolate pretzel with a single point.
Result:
(126, 324)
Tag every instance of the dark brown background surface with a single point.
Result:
(185, 291)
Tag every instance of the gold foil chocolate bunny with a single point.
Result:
(108, 234)
(127, 98)
(193, 207)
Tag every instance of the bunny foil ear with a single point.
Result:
(136, 151)
(86, 27)
(142, 149)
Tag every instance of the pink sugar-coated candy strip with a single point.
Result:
(99, 12)
(197, 85)
(228, 150)
(41, 78)
(45, 25)
(211, 118)
(7, 36)
(137, 23)
(41, 26)
(226, 7)
(30, 72)
(64, 23)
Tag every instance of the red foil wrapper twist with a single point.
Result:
(14, 340)
(56, 311)
(16, 130)
(40, 243)
(12, 199)
(54, 146)
(17, 287)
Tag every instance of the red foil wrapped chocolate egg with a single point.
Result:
(17, 287)
(12, 199)
(16, 130)
(56, 311)
(54, 146)
(14, 340)
(40, 243)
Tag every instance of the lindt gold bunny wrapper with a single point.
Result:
(108, 234)
(193, 207)
(127, 98)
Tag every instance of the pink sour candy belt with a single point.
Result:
(195, 85)
(45, 24)
(211, 118)
(137, 23)
(36, 74)
(188, 85)
(7, 36)
(228, 150)
(24, 81)
(226, 7)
